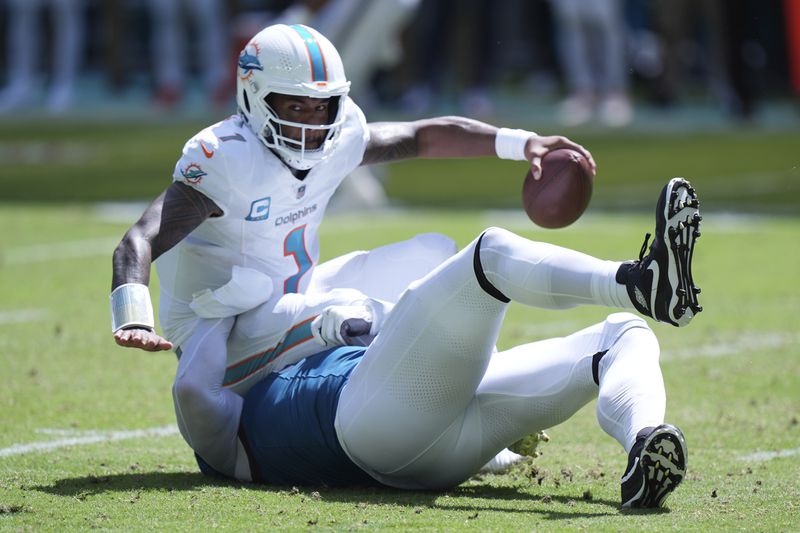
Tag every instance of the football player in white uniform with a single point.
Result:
(237, 230)
(429, 400)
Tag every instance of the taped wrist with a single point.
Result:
(510, 144)
(131, 307)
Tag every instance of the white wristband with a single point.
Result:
(510, 144)
(131, 306)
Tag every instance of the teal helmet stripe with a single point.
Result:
(319, 71)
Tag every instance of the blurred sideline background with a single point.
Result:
(98, 97)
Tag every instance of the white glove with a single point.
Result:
(342, 325)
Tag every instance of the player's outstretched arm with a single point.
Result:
(165, 222)
(459, 137)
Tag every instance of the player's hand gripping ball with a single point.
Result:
(561, 195)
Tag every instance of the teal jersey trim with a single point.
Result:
(297, 335)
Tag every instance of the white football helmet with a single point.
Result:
(295, 60)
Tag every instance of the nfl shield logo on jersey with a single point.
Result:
(259, 209)
(301, 191)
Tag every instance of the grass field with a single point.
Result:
(87, 437)
(742, 169)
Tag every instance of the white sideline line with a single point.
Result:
(539, 329)
(63, 432)
(746, 341)
(85, 437)
(119, 212)
(22, 315)
(37, 253)
(767, 456)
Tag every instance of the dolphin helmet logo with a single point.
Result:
(248, 61)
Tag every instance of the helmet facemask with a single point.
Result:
(295, 152)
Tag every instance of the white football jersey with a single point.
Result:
(267, 237)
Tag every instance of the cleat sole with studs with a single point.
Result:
(661, 467)
(682, 231)
(663, 464)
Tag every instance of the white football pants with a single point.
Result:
(277, 333)
(430, 403)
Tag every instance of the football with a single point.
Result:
(562, 194)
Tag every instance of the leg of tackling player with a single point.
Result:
(429, 403)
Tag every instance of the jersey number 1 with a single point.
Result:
(295, 245)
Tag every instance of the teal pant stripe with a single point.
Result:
(297, 335)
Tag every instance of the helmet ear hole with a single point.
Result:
(246, 101)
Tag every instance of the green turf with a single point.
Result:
(741, 170)
(732, 378)
(737, 170)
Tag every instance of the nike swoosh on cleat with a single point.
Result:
(209, 153)
(653, 267)
(640, 299)
(630, 472)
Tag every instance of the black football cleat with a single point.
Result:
(656, 466)
(660, 284)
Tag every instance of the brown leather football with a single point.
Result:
(562, 194)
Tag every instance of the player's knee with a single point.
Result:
(618, 323)
(628, 343)
(499, 239)
(620, 326)
(494, 236)
(494, 233)
(626, 320)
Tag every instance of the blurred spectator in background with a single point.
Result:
(713, 37)
(731, 52)
(452, 38)
(115, 24)
(590, 37)
(169, 41)
(740, 101)
(525, 47)
(25, 38)
(691, 38)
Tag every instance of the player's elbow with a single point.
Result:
(133, 244)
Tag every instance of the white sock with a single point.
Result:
(544, 275)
